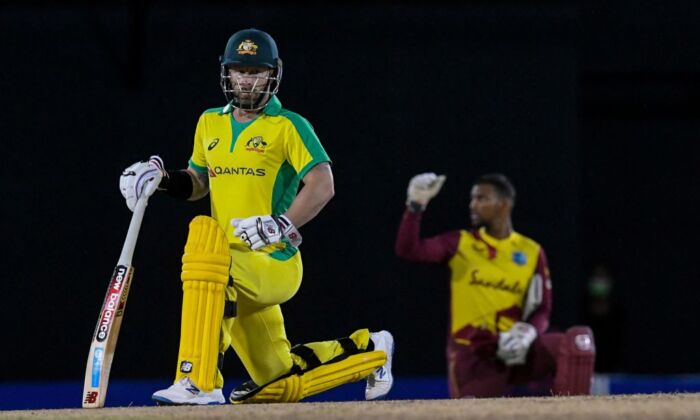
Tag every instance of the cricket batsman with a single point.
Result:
(501, 296)
(241, 263)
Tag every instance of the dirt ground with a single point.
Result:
(657, 406)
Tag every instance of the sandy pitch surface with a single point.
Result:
(657, 406)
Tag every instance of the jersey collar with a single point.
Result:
(494, 242)
(273, 107)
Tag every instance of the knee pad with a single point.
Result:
(205, 274)
(575, 362)
(296, 386)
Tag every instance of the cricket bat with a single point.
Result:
(104, 340)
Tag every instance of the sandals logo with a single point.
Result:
(256, 144)
(247, 47)
(500, 284)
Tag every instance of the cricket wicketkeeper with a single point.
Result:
(241, 263)
(501, 297)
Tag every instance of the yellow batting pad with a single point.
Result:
(295, 387)
(205, 273)
(206, 252)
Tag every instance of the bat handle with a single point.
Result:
(133, 232)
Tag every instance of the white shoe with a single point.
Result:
(379, 383)
(184, 392)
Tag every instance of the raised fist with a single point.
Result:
(422, 188)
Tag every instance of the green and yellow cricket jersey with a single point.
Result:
(254, 168)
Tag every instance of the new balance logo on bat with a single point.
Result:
(111, 302)
(90, 397)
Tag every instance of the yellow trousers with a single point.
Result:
(260, 284)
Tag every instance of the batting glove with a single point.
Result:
(260, 231)
(141, 179)
(422, 188)
(514, 344)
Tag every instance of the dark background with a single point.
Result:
(591, 109)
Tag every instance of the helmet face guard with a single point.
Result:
(246, 49)
(250, 92)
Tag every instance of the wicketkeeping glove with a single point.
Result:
(134, 181)
(422, 188)
(514, 344)
(260, 231)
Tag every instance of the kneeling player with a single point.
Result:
(500, 297)
(242, 263)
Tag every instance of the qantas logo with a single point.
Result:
(232, 170)
(111, 303)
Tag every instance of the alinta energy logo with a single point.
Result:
(213, 143)
(256, 144)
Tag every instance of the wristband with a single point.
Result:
(415, 207)
(177, 184)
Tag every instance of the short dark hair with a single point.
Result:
(500, 182)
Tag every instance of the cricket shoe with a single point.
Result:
(184, 392)
(242, 391)
(380, 381)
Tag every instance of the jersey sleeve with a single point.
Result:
(198, 160)
(540, 317)
(410, 246)
(303, 148)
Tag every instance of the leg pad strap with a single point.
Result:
(296, 386)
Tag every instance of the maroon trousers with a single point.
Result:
(475, 371)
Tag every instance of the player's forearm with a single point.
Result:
(200, 185)
(185, 184)
(408, 237)
(409, 245)
(317, 191)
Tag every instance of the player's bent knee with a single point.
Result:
(206, 256)
(575, 362)
(296, 386)
(205, 274)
